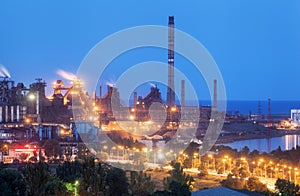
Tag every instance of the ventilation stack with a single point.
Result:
(182, 101)
(171, 89)
(100, 92)
(215, 94)
(134, 99)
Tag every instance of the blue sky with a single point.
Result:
(255, 43)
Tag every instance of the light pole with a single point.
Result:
(283, 173)
(276, 172)
(295, 174)
(254, 168)
(76, 185)
(212, 161)
(224, 160)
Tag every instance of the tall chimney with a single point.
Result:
(170, 92)
(1, 118)
(182, 101)
(100, 92)
(134, 99)
(269, 110)
(215, 94)
(18, 113)
(95, 96)
(11, 113)
(6, 113)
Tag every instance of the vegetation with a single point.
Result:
(40, 181)
(88, 176)
(178, 183)
(285, 187)
(141, 184)
(11, 183)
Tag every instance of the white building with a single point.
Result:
(295, 116)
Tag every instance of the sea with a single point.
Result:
(285, 142)
(246, 107)
(282, 108)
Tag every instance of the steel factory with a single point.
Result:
(29, 118)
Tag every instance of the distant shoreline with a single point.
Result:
(275, 133)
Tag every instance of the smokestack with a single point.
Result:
(171, 89)
(215, 94)
(182, 101)
(18, 113)
(100, 92)
(12, 113)
(6, 113)
(1, 119)
(269, 110)
(95, 96)
(134, 99)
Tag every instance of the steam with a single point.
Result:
(111, 84)
(66, 75)
(4, 72)
(151, 84)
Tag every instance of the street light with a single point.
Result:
(224, 160)
(213, 161)
(6, 152)
(295, 174)
(76, 185)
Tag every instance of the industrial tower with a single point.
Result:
(171, 88)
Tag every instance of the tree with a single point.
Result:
(141, 184)
(233, 182)
(11, 183)
(36, 176)
(178, 181)
(286, 187)
(93, 178)
(253, 184)
(33, 159)
(54, 187)
(254, 154)
(117, 182)
(244, 172)
(203, 170)
(69, 171)
(40, 181)
(245, 151)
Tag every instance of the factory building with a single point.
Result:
(295, 116)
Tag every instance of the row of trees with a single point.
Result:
(282, 186)
(88, 178)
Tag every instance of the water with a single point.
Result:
(286, 142)
(244, 107)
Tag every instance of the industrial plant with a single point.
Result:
(29, 117)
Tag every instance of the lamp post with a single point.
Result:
(295, 174)
(212, 161)
(224, 160)
(76, 185)
(283, 172)
(254, 168)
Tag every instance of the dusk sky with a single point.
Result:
(255, 43)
